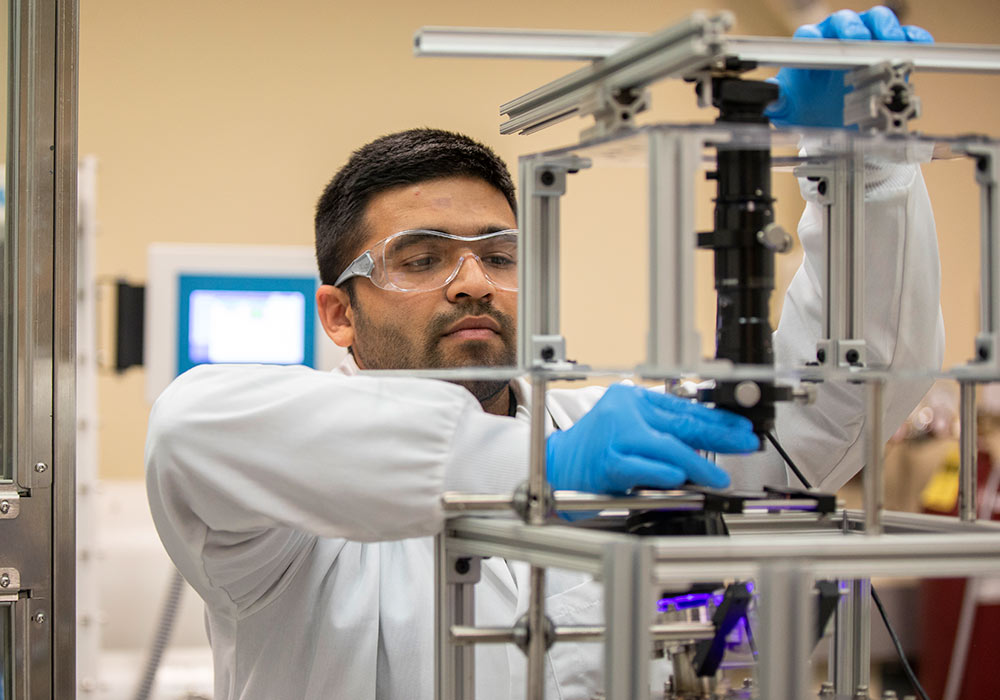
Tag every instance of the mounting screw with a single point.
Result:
(4, 507)
(41, 467)
(39, 618)
(548, 352)
(4, 580)
(747, 394)
(547, 178)
(852, 356)
(984, 352)
(821, 187)
(821, 355)
(982, 164)
(462, 565)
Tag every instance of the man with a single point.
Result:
(300, 504)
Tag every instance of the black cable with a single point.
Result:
(910, 675)
(788, 460)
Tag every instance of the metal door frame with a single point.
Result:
(39, 346)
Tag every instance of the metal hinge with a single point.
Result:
(10, 502)
(10, 584)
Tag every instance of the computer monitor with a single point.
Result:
(208, 304)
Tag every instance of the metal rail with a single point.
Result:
(466, 42)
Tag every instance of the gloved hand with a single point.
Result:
(816, 97)
(636, 437)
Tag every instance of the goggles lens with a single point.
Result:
(424, 260)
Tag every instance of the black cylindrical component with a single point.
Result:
(744, 266)
(744, 269)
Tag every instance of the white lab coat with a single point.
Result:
(301, 504)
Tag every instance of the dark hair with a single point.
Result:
(404, 158)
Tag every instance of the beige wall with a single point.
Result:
(222, 121)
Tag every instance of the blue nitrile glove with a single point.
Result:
(816, 97)
(636, 437)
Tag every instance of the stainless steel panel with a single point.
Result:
(61, 629)
(7, 394)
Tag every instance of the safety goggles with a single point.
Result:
(421, 260)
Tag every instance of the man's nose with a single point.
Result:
(470, 280)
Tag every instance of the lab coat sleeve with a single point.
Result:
(903, 327)
(248, 449)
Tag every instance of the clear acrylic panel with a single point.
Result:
(626, 157)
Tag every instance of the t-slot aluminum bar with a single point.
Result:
(968, 451)
(542, 184)
(672, 338)
(471, 42)
(628, 612)
(570, 45)
(785, 634)
(850, 652)
(840, 191)
(987, 160)
(873, 475)
(674, 51)
(538, 497)
(454, 667)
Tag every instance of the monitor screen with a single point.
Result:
(242, 319)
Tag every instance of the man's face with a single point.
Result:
(467, 322)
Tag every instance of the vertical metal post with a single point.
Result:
(62, 613)
(537, 636)
(673, 339)
(37, 336)
(538, 512)
(454, 603)
(785, 630)
(968, 451)
(542, 184)
(874, 486)
(987, 162)
(629, 605)
(444, 678)
(850, 652)
(841, 193)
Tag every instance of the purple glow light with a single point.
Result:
(683, 602)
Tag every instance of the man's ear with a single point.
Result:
(336, 314)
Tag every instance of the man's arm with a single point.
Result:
(902, 324)
(244, 449)
(902, 317)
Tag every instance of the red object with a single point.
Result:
(940, 605)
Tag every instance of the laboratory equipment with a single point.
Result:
(786, 544)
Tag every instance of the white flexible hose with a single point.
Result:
(162, 636)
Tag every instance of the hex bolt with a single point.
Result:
(39, 618)
(4, 580)
(548, 352)
(821, 355)
(462, 565)
(547, 178)
(41, 467)
(852, 356)
(4, 507)
(984, 352)
(821, 187)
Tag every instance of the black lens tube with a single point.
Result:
(744, 265)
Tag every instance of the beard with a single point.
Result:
(386, 345)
